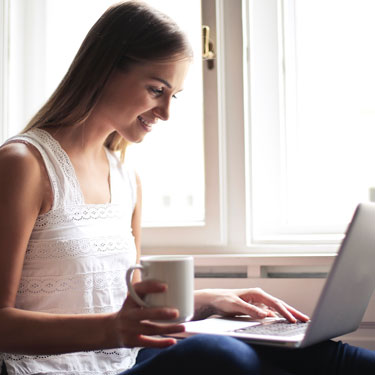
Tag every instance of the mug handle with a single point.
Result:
(133, 293)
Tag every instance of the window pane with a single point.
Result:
(330, 109)
(311, 91)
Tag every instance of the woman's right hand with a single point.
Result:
(133, 323)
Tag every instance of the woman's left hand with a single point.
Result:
(253, 301)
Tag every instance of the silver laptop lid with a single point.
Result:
(350, 283)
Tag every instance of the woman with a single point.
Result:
(70, 223)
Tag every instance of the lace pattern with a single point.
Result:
(51, 285)
(124, 356)
(87, 213)
(109, 352)
(63, 161)
(71, 248)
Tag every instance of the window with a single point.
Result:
(311, 116)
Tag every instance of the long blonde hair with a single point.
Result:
(127, 33)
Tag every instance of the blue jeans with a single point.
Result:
(210, 354)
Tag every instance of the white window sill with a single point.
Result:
(263, 263)
(303, 252)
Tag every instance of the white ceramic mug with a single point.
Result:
(175, 271)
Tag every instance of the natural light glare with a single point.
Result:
(330, 118)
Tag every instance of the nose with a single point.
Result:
(162, 109)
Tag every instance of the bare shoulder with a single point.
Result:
(19, 152)
(20, 159)
(22, 173)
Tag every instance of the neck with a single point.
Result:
(82, 140)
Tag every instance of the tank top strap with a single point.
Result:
(65, 186)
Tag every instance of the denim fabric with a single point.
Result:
(210, 354)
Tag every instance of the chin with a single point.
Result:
(132, 138)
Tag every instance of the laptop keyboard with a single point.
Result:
(275, 329)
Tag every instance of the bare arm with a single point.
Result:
(23, 195)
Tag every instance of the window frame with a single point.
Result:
(267, 80)
(212, 231)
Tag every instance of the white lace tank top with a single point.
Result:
(76, 260)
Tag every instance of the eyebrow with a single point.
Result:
(166, 83)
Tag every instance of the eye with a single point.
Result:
(177, 94)
(156, 91)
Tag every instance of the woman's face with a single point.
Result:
(133, 101)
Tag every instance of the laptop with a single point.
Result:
(340, 307)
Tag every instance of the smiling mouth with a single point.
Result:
(146, 125)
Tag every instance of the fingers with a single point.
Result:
(279, 306)
(138, 332)
(136, 324)
(270, 311)
(243, 307)
(298, 314)
(288, 312)
(153, 313)
(149, 286)
(146, 287)
(144, 321)
(152, 329)
(154, 342)
(142, 333)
